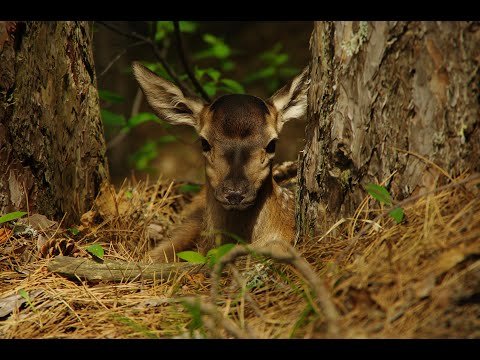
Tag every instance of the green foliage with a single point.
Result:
(211, 66)
(382, 195)
(397, 215)
(74, 231)
(217, 48)
(379, 193)
(12, 216)
(110, 96)
(25, 295)
(192, 257)
(111, 119)
(142, 158)
(275, 70)
(96, 250)
(213, 255)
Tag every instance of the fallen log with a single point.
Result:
(118, 271)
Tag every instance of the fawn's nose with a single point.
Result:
(234, 197)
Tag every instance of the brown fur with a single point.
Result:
(240, 196)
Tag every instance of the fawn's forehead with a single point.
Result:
(239, 116)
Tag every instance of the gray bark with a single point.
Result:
(392, 102)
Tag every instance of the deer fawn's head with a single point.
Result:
(238, 133)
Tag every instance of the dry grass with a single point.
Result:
(418, 279)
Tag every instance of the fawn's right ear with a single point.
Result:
(166, 99)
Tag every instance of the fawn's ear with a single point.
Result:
(291, 100)
(166, 99)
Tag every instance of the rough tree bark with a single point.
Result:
(51, 137)
(387, 100)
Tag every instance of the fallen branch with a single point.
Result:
(111, 270)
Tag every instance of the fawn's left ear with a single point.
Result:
(291, 100)
(166, 99)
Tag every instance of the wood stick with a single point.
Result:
(118, 271)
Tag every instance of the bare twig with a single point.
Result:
(285, 253)
(157, 52)
(118, 56)
(186, 67)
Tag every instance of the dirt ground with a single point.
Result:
(364, 277)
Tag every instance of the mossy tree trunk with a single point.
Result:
(52, 147)
(392, 102)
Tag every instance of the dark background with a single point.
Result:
(182, 159)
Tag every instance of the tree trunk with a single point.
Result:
(390, 102)
(52, 148)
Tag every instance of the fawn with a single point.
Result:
(238, 134)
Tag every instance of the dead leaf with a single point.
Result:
(111, 204)
(87, 220)
(4, 234)
(38, 222)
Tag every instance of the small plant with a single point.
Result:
(25, 295)
(212, 257)
(11, 216)
(382, 195)
(96, 251)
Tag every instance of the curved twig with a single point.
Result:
(157, 52)
(186, 67)
(285, 253)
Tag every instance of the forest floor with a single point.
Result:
(372, 278)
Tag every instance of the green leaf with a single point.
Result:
(215, 254)
(264, 73)
(397, 215)
(111, 119)
(211, 39)
(128, 194)
(142, 157)
(12, 216)
(210, 88)
(186, 188)
(74, 231)
(140, 118)
(379, 193)
(110, 96)
(217, 49)
(228, 65)
(187, 26)
(96, 250)
(192, 256)
(213, 73)
(24, 295)
(233, 86)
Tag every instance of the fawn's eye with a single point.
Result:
(205, 145)
(271, 146)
